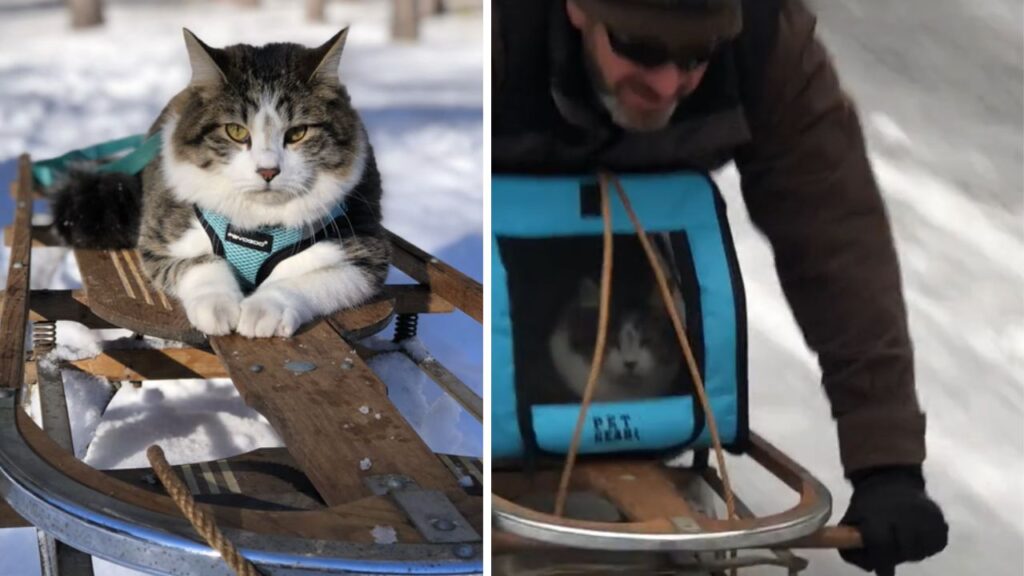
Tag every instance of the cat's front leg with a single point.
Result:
(186, 268)
(211, 297)
(205, 285)
(319, 281)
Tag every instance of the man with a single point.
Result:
(655, 85)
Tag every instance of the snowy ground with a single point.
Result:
(422, 103)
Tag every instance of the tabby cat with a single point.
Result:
(642, 357)
(262, 210)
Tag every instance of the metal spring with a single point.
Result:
(405, 326)
(44, 338)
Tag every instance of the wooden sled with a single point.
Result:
(352, 470)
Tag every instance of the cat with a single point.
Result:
(262, 149)
(642, 356)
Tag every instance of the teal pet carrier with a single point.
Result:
(546, 261)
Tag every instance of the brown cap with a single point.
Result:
(679, 24)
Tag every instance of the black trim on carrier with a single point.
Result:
(742, 441)
(528, 272)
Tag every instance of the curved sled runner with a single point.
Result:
(656, 508)
(355, 491)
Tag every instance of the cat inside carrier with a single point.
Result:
(548, 249)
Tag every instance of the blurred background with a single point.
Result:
(77, 72)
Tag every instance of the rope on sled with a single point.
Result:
(595, 365)
(203, 522)
(602, 328)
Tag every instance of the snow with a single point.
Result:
(422, 104)
(384, 535)
(427, 408)
(190, 419)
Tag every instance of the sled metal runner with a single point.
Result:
(310, 508)
(667, 510)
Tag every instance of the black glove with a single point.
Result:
(897, 520)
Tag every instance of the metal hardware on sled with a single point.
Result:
(306, 509)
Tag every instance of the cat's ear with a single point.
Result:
(590, 293)
(205, 71)
(330, 58)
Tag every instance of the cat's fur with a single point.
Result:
(268, 90)
(642, 357)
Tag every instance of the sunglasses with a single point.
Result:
(650, 54)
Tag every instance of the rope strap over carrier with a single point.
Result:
(601, 341)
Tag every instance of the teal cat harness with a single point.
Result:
(254, 253)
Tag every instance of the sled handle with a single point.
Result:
(835, 537)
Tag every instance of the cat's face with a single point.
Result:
(264, 127)
(633, 347)
(641, 343)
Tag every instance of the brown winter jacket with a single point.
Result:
(808, 187)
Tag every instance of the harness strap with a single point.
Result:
(253, 254)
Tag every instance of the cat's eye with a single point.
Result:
(237, 132)
(294, 135)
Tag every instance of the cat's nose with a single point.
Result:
(630, 365)
(268, 174)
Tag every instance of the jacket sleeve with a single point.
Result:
(809, 188)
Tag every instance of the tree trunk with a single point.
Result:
(315, 10)
(431, 7)
(405, 19)
(86, 13)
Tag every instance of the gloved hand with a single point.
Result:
(897, 520)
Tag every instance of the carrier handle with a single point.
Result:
(142, 150)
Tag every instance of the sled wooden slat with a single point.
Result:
(53, 305)
(366, 319)
(42, 236)
(417, 299)
(328, 416)
(118, 292)
(153, 364)
(14, 312)
(447, 282)
(641, 491)
(266, 478)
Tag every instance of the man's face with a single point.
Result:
(639, 98)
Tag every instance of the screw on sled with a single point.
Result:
(313, 507)
(628, 499)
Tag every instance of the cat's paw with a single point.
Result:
(263, 316)
(214, 314)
